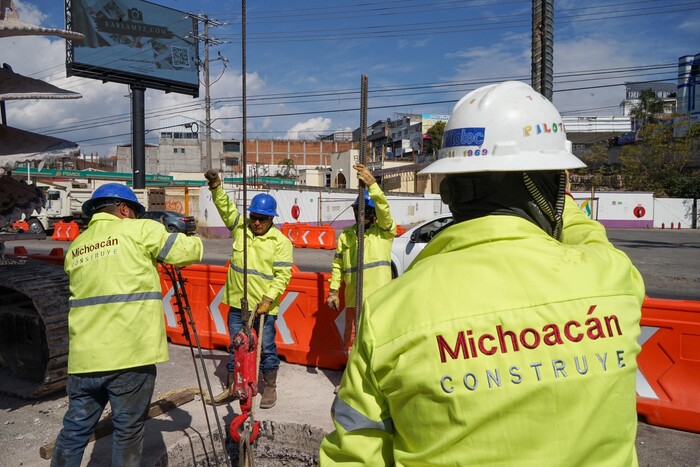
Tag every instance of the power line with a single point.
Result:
(383, 93)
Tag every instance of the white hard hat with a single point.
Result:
(504, 127)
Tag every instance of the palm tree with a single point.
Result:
(646, 109)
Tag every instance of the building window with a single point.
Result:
(232, 146)
(178, 150)
(231, 161)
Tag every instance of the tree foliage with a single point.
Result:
(435, 133)
(661, 163)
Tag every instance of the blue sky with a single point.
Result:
(305, 59)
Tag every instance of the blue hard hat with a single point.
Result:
(107, 194)
(263, 204)
(369, 202)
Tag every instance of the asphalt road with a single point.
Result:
(669, 260)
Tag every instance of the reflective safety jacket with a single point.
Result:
(377, 254)
(499, 346)
(269, 259)
(116, 303)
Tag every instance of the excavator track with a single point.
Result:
(33, 327)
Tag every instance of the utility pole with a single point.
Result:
(208, 41)
(207, 96)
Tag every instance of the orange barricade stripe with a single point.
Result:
(72, 231)
(313, 236)
(308, 332)
(65, 231)
(291, 231)
(668, 377)
(59, 231)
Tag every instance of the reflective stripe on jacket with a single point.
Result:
(270, 258)
(499, 346)
(116, 308)
(377, 254)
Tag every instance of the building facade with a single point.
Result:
(182, 148)
(689, 87)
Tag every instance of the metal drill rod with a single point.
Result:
(185, 312)
(361, 205)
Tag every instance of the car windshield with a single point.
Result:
(428, 231)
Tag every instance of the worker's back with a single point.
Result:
(501, 346)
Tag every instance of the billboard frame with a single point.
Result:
(116, 76)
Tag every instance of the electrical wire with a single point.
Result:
(597, 12)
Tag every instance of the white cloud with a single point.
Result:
(309, 129)
(29, 13)
(505, 59)
(591, 53)
(691, 24)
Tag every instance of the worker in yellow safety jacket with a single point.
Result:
(380, 230)
(269, 272)
(115, 323)
(512, 338)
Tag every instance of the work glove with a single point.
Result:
(364, 175)
(333, 300)
(212, 178)
(264, 305)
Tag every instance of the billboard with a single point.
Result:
(134, 41)
(428, 120)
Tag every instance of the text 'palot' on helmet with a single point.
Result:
(263, 204)
(505, 127)
(107, 194)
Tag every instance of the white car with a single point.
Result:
(407, 246)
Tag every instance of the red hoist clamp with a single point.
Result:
(245, 382)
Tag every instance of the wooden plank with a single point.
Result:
(104, 427)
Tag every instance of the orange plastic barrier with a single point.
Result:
(290, 231)
(308, 332)
(22, 225)
(65, 231)
(668, 378)
(310, 236)
(286, 228)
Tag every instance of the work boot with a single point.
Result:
(269, 397)
(225, 396)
